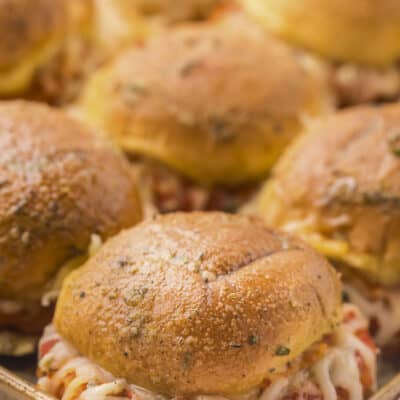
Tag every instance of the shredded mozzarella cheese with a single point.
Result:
(384, 308)
(275, 391)
(68, 376)
(338, 369)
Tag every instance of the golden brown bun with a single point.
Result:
(339, 187)
(59, 185)
(362, 31)
(39, 42)
(216, 102)
(198, 303)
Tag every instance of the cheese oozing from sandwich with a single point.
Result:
(341, 366)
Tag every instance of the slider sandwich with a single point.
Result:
(338, 187)
(61, 189)
(203, 111)
(205, 306)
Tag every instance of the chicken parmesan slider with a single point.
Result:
(338, 187)
(204, 110)
(60, 187)
(201, 305)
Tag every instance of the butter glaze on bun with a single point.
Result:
(59, 184)
(198, 303)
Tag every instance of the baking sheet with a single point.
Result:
(23, 367)
(387, 369)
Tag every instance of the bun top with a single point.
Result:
(59, 184)
(197, 303)
(342, 180)
(362, 31)
(202, 93)
(40, 43)
(27, 26)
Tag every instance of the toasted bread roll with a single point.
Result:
(41, 47)
(59, 185)
(213, 103)
(199, 303)
(338, 187)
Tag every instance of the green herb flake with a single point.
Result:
(187, 360)
(345, 297)
(252, 340)
(282, 351)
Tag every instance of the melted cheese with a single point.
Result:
(63, 368)
(306, 229)
(275, 391)
(114, 388)
(385, 309)
(338, 368)
(340, 250)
